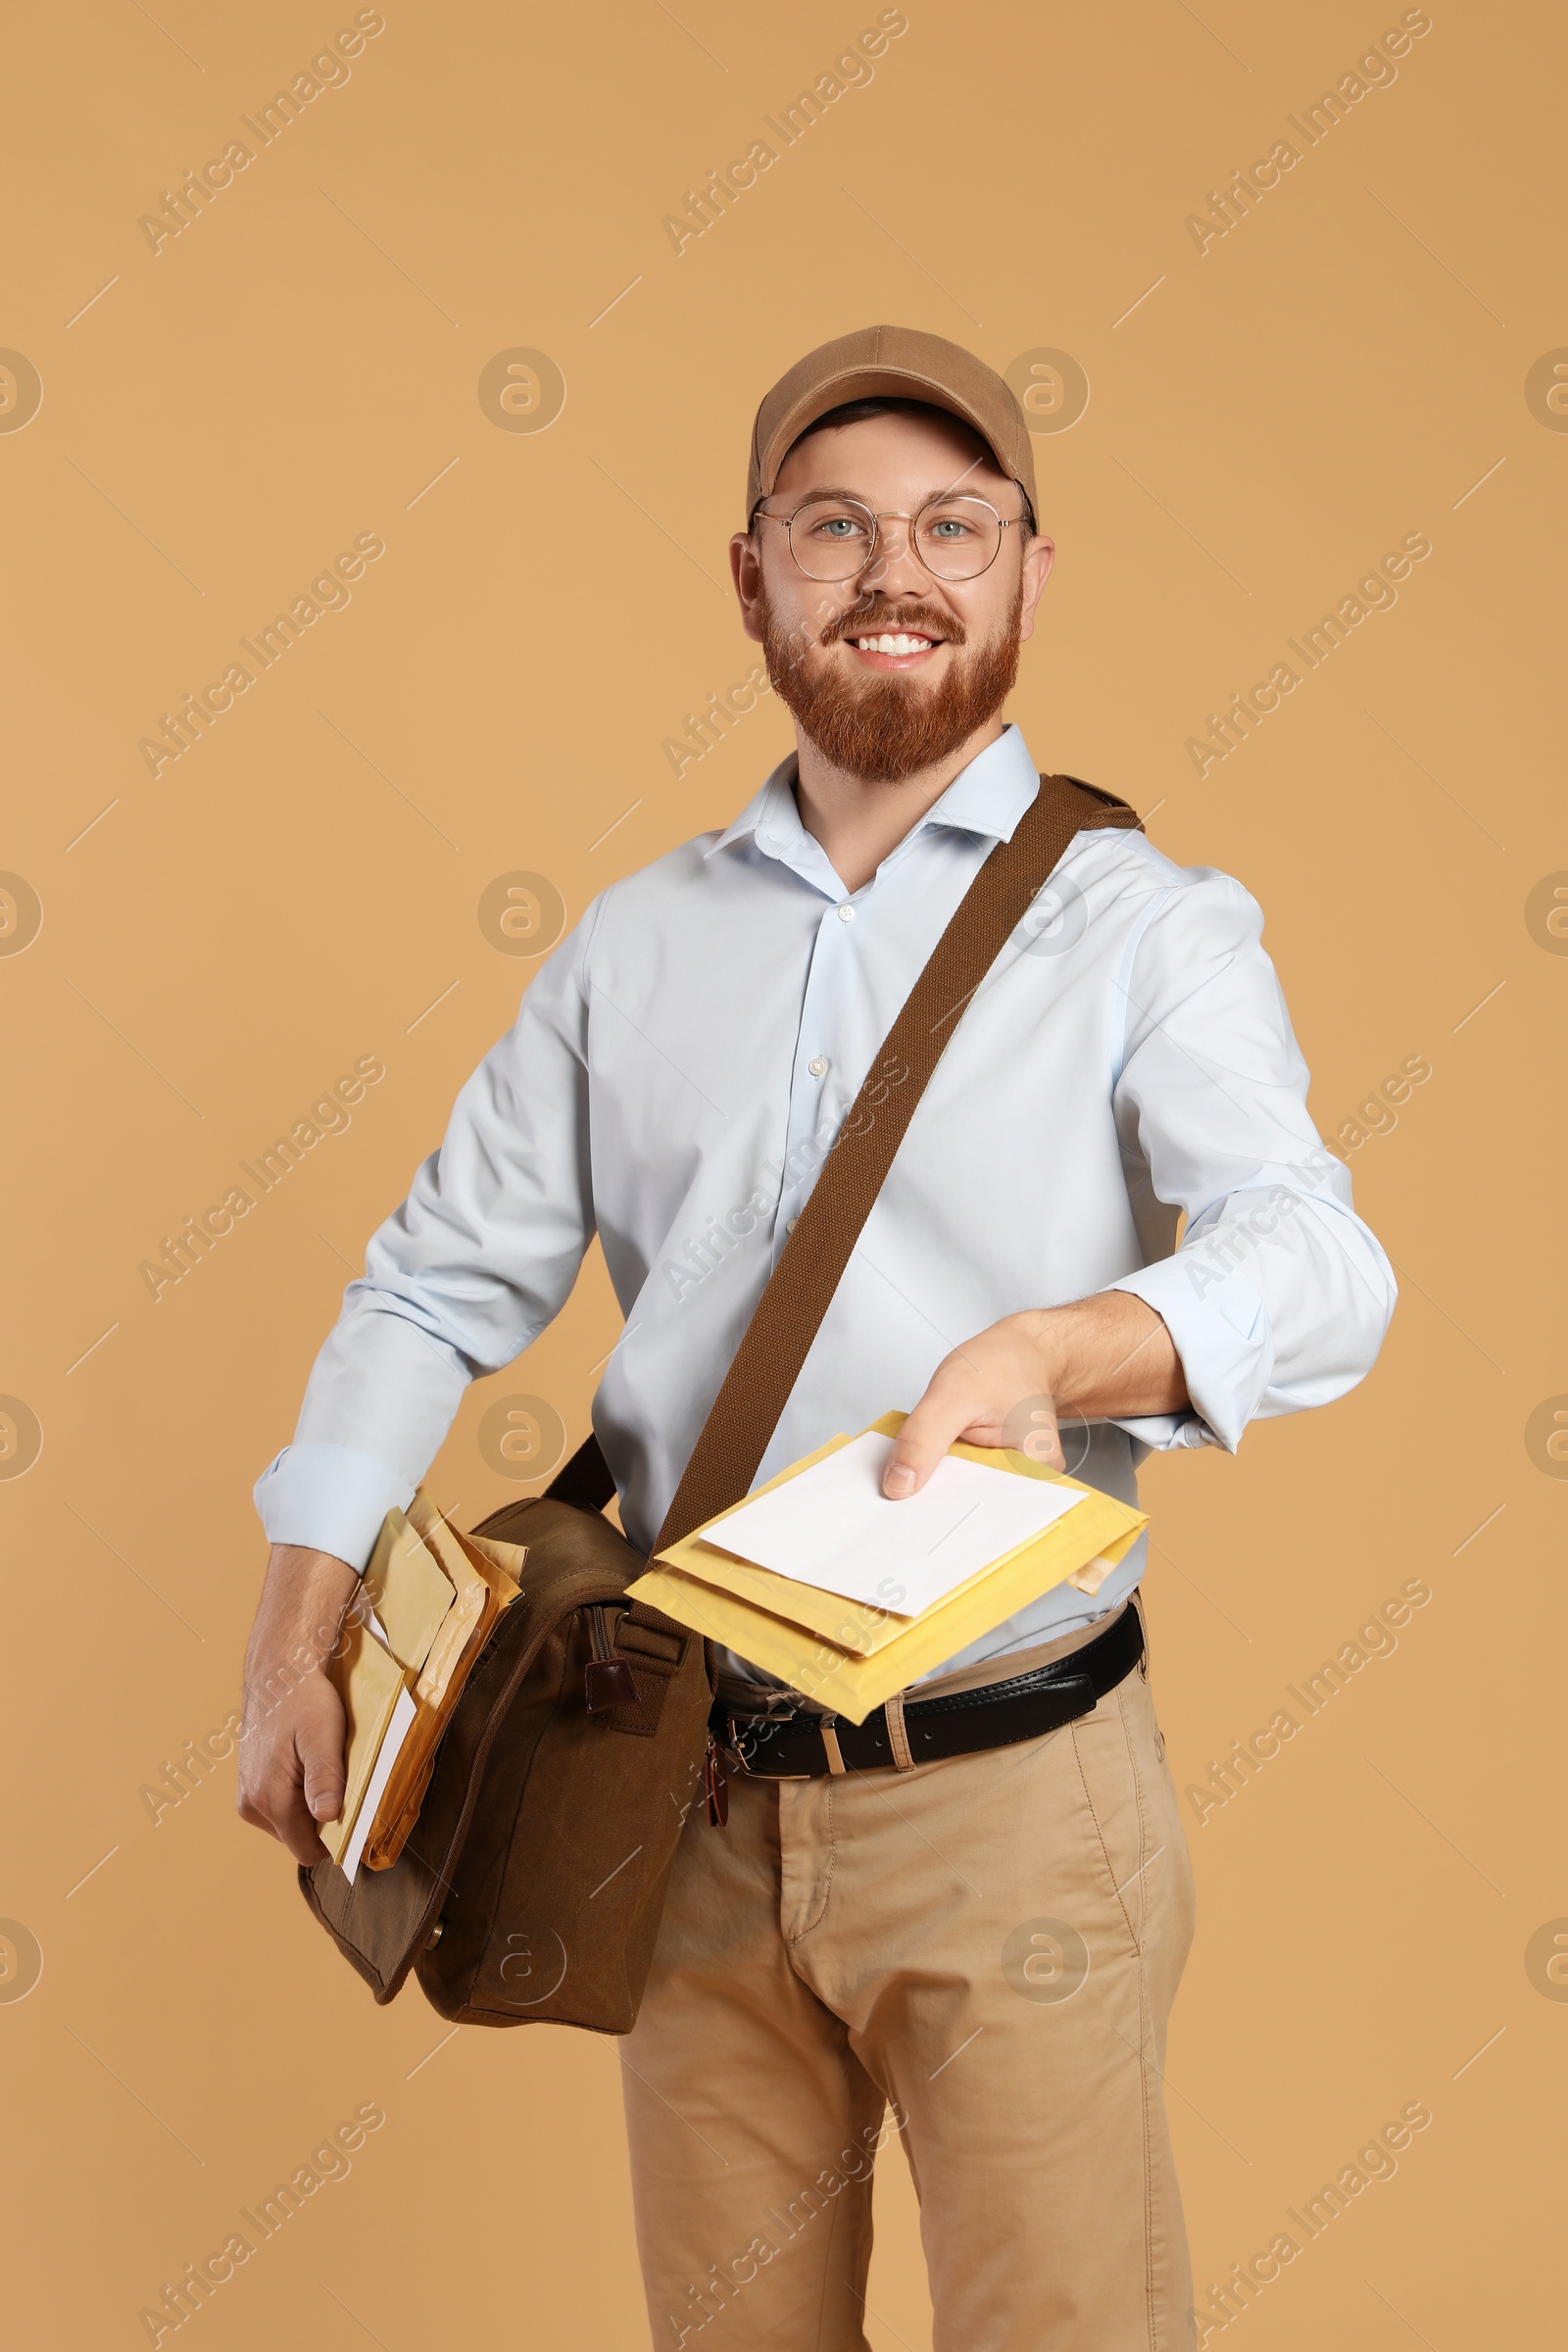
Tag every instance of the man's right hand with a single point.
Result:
(291, 1742)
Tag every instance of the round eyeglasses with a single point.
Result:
(956, 538)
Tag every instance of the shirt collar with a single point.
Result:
(989, 796)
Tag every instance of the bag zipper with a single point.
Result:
(716, 1786)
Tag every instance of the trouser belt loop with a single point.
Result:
(898, 1736)
(830, 1741)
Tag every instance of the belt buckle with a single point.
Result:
(739, 1753)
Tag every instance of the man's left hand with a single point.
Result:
(1101, 1358)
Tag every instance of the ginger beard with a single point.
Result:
(882, 730)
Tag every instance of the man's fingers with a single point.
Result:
(973, 1397)
(319, 1744)
(293, 1814)
(292, 1824)
(942, 1414)
(292, 1777)
(281, 1812)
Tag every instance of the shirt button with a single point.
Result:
(846, 912)
(793, 1222)
(818, 1065)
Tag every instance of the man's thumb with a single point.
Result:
(323, 1784)
(917, 1448)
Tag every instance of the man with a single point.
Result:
(977, 1953)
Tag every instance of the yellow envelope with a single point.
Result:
(472, 1604)
(500, 1564)
(507, 1557)
(479, 1575)
(408, 1589)
(368, 1679)
(848, 1657)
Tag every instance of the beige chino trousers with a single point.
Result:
(977, 1957)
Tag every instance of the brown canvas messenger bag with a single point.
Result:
(531, 1884)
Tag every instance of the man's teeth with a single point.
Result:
(893, 645)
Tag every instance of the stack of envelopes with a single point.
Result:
(432, 1595)
(848, 1597)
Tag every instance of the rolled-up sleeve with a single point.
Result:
(1279, 1296)
(464, 1276)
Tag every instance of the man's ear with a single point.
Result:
(1039, 554)
(745, 571)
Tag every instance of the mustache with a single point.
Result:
(876, 614)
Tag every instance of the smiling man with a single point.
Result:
(961, 1924)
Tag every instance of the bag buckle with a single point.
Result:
(607, 1677)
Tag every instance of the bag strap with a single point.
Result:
(789, 1314)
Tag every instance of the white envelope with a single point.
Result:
(833, 1527)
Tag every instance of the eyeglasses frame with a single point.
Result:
(1005, 522)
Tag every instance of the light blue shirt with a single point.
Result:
(676, 1074)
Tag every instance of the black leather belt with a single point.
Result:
(800, 1745)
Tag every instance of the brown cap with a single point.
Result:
(881, 363)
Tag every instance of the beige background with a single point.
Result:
(300, 889)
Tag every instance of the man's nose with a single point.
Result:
(895, 570)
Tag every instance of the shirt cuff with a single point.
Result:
(329, 1498)
(1220, 1330)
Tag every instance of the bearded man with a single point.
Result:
(974, 1953)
